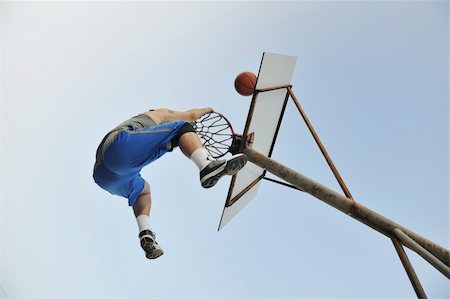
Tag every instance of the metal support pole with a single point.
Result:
(344, 188)
(344, 204)
(320, 144)
(444, 269)
(409, 270)
(281, 183)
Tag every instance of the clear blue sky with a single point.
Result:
(372, 76)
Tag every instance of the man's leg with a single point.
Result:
(143, 203)
(189, 142)
(141, 210)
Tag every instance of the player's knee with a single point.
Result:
(186, 128)
(146, 189)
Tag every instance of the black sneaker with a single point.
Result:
(148, 243)
(211, 174)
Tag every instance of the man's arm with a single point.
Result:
(164, 115)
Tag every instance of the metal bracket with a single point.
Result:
(236, 144)
(240, 142)
(249, 140)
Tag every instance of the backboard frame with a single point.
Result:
(247, 143)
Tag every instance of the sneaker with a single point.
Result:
(148, 243)
(211, 174)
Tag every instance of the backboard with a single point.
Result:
(263, 122)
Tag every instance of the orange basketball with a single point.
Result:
(245, 83)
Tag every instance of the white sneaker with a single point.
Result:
(150, 246)
(211, 174)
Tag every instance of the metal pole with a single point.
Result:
(320, 144)
(409, 269)
(344, 204)
(281, 183)
(422, 252)
(323, 150)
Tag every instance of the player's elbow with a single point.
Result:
(190, 116)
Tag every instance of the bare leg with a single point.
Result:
(141, 210)
(189, 142)
(143, 203)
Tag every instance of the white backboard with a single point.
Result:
(263, 120)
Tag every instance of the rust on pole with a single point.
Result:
(344, 204)
(320, 144)
(409, 269)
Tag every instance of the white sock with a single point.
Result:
(200, 158)
(143, 222)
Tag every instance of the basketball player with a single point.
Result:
(142, 139)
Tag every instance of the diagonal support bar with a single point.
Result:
(444, 269)
(344, 204)
(409, 269)
(281, 183)
(320, 144)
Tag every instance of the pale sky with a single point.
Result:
(372, 77)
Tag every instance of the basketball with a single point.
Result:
(245, 83)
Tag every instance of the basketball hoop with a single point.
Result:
(217, 134)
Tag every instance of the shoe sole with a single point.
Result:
(152, 250)
(230, 168)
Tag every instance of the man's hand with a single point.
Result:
(205, 111)
(197, 113)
